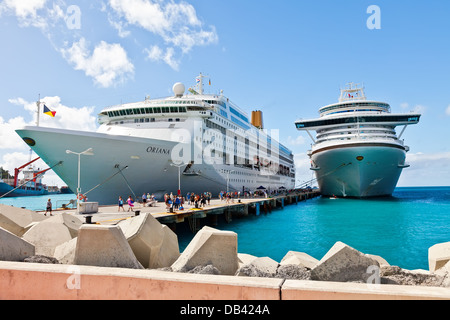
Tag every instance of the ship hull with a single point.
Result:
(358, 171)
(130, 166)
(6, 190)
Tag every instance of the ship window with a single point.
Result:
(165, 109)
(170, 119)
(182, 109)
(173, 109)
(129, 112)
(122, 112)
(149, 110)
(136, 111)
(157, 110)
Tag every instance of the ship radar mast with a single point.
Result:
(199, 85)
(352, 92)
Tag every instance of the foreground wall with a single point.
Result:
(20, 280)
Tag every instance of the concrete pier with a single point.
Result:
(209, 214)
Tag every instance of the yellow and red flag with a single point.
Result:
(49, 112)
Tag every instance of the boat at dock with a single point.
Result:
(192, 142)
(30, 185)
(356, 151)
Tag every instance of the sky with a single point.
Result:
(287, 58)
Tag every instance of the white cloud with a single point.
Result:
(107, 65)
(426, 169)
(155, 53)
(299, 140)
(66, 118)
(14, 152)
(416, 109)
(176, 23)
(8, 138)
(25, 11)
(447, 111)
(303, 175)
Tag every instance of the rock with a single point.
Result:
(397, 275)
(299, 258)
(13, 248)
(104, 246)
(50, 233)
(41, 259)
(293, 271)
(18, 220)
(438, 255)
(65, 252)
(154, 244)
(208, 269)
(210, 247)
(259, 267)
(343, 263)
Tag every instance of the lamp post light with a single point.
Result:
(87, 152)
(179, 175)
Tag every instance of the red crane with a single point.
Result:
(17, 170)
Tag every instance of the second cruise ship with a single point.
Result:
(357, 152)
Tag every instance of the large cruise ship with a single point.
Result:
(193, 142)
(356, 152)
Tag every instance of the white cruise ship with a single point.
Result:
(356, 152)
(196, 142)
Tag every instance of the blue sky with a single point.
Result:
(287, 58)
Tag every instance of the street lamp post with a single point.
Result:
(179, 175)
(87, 152)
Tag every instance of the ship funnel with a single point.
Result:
(257, 119)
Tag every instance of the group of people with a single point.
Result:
(146, 199)
(229, 196)
(130, 203)
(177, 202)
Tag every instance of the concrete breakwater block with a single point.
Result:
(245, 258)
(343, 263)
(104, 246)
(299, 258)
(18, 220)
(210, 247)
(154, 244)
(65, 252)
(438, 256)
(13, 248)
(50, 233)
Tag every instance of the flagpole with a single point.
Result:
(38, 103)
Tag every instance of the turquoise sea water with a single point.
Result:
(38, 203)
(400, 228)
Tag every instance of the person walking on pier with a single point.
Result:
(120, 204)
(49, 207)
(130, 204)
